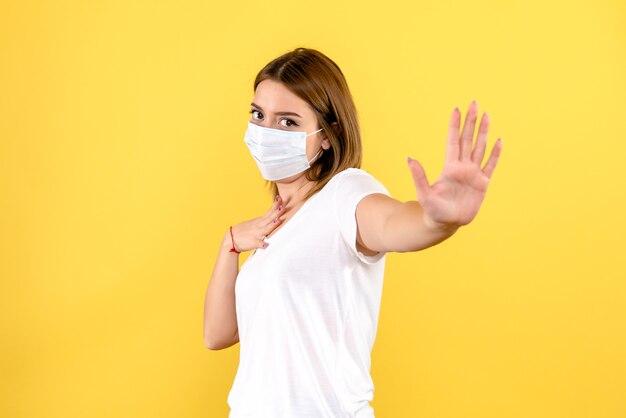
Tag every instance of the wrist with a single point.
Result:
(228, 243)
(439, 227)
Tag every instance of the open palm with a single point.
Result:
(455, 197)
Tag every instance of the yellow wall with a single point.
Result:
(122, 163)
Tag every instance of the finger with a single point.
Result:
(468, 131)
(275, 221)
(493, 158)
(275, 205)
(271, 224)
(419, 179)
(481, 140)
(276, 212)
(452, 144)
(279, 209)
(262, 244)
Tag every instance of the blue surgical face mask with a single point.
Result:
(279, 154)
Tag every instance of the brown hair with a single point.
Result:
(316, 79)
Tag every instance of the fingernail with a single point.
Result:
(408, 159)
(275, 220)
(266, 245)
(280, 207)
(276, 198)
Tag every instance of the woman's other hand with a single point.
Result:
(251, 234)
(455, 197)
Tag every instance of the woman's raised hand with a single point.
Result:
(251, 234)
(455, 197)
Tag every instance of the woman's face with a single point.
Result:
(275, 106)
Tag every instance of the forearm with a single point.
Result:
(220, 319)
(408, 229)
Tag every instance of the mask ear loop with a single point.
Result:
(313, 159)
(315, 132)
(321, 148)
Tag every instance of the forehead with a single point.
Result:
(273, 96)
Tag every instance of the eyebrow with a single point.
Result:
(278, 113)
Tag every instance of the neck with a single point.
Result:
(293, 190)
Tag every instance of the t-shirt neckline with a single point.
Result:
(294, 216)
(304, 206)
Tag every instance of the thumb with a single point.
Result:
(419, 178)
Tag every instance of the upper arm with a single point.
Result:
(372, 213)
(362, 204)
(234, 340)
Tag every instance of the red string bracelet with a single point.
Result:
(233, 250)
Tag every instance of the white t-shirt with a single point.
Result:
(307, 311)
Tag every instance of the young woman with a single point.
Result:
(305, 304)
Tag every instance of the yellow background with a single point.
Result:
(122, 164)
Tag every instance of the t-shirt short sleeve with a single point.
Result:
(353, 186)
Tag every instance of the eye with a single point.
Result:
(291, 121)
(289, 124)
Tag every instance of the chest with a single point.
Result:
(307, 254)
